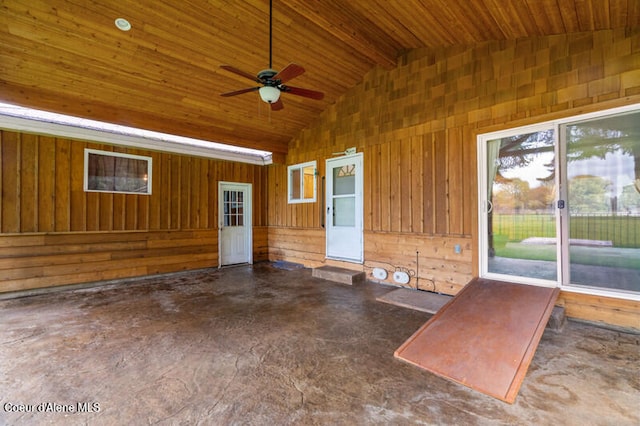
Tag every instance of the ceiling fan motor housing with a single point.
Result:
(266, 76)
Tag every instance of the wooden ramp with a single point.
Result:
(485, 337)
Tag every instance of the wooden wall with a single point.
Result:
(417, 127)
(53, 233)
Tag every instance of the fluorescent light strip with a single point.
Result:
(29, 120)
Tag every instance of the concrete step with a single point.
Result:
(557, 320)
(426, 301)
(339, 275)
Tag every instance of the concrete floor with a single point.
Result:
(260, 345)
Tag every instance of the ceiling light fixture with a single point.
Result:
(269, 94)
(122, 24)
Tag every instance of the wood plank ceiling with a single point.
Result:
(164, 74)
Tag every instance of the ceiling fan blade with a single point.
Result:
(303, 92)
(239, 92)
(240, 73)
(277, 106)
(290, 71)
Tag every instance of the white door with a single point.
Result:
(235, 229)
(344, 208)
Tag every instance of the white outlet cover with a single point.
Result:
(401, 277)
(380, 273)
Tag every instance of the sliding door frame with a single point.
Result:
(561, 214)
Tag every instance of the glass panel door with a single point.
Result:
(521, 214)
(603, 194)
(344, 195)
(344, 208)
(235, 231)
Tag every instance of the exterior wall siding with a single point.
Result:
(53, 233)
(417, 126)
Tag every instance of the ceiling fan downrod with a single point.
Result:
(270, 34)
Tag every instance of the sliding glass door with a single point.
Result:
(520, 215)
(560, 204)
(603, 199)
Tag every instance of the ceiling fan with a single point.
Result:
(273, 81)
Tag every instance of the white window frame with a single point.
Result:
(89, 151)
(300, 183)
(562, 224)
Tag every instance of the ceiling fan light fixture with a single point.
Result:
(269, 94)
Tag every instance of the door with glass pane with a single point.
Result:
(344, 208)
(520, 209)
(603, 200)
(560, 204)
(235, 230)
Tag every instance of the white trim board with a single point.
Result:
(155, 144)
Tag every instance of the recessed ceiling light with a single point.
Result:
(122, 24)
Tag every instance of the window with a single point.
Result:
(560, 203)
(106, 171)
(302, 183)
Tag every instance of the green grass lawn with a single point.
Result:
(622, 231)
(596, 256)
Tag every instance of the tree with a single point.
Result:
(629, 200)
(589, 194)
(597, 138)
(541, 197)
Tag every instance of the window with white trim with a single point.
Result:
(106, 171)
(302, 183)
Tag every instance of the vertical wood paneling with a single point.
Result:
(154, 200)
(469, 181)
(417, 189)
(142, 219)
(78, 210)
(119, 212)
(428, 162)
(203, 208)
(11, 182)
(106, 211)
(46, 184)
(406, 187)
(213, 195)
(165, 192)
(455, 182)
(438, 101)
(395, 186)
(93, 211)
(63, 185)
(367, 195)
(385, 187)
(184, 188)
(42, 184)
(131, 212)
(441, 187)
(75, 237)
(29, 183)
(446, 96)
(175, 193)
(265, 183)
(2, 136)
(194, 200)
(374, 155)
